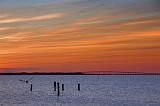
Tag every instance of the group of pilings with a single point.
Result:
(57, 87)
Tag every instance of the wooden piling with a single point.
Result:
(58, 89)
(31, 88)
(62, 87)
(78, 86)
(55, 85)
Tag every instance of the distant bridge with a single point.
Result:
(120, 73)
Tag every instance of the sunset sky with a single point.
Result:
(79, 35)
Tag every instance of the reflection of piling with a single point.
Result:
(31, 88)
(62, 87)
(55, 86)
(79, 87)
(58, 89)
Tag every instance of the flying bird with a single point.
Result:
(26, 81)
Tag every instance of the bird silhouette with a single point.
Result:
(26, 81)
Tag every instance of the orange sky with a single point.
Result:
(80, 35)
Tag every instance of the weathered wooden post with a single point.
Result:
(31, 87)
(55, 85)
(78, 86)
(58, 89)
(62, 87)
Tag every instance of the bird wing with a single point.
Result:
(30, 79)
(22, 80)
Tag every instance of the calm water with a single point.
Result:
(96, 90)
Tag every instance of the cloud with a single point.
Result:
(16, 36)
(35, 18)
(4, 28)
(3, 16)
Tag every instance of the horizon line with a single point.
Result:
(81, 73)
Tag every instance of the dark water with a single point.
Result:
(96, 90)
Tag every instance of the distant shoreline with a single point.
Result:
(79, 73)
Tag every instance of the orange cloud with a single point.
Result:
(4, 28)
(152, 32)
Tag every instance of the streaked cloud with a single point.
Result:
(4, 28)
(16, 37)
(35, 18)
(3, 16)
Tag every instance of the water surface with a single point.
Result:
(96, 90)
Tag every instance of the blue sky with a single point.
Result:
(32, 2)
(24, 2)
